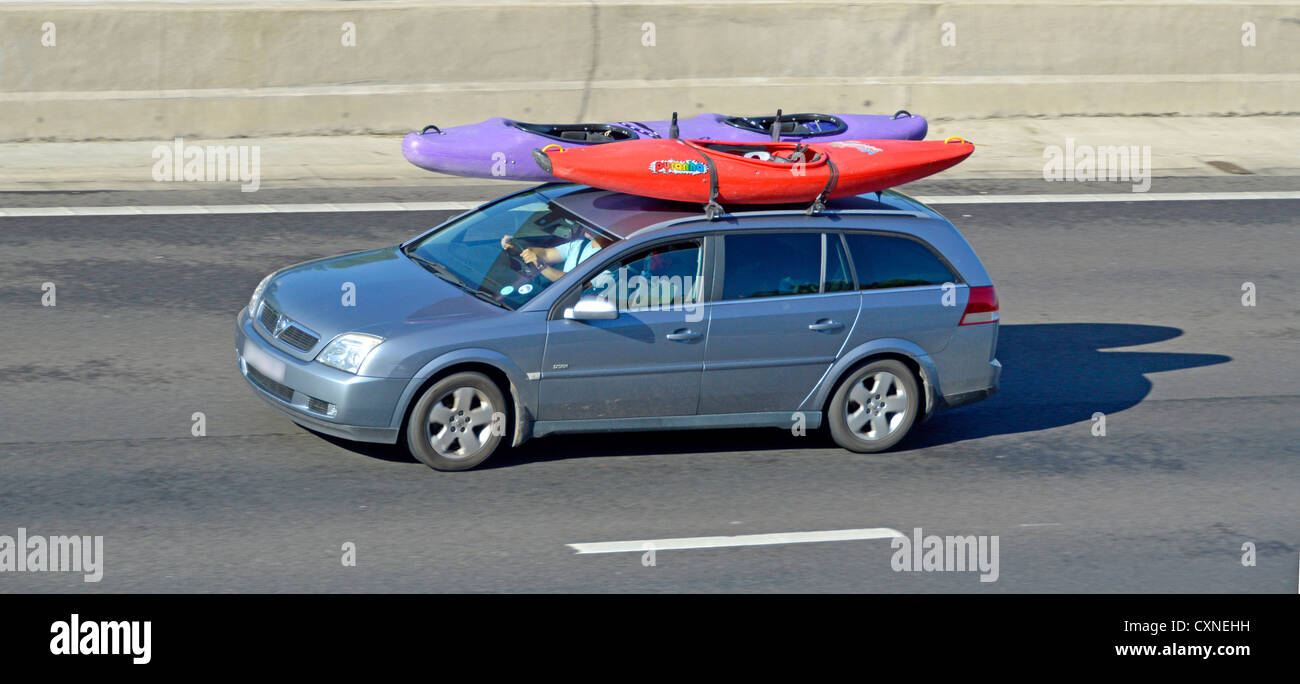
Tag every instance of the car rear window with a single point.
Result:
(884, 261)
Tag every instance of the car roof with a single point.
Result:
(624, 215)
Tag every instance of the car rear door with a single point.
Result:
(784, 304)
(908, 291)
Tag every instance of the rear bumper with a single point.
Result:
(345, 405)
(952, 401)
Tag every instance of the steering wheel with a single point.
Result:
(526, 270)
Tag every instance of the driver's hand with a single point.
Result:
(531, 257)
(506, 242)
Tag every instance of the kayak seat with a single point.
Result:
(587, 136)
(586, 133)
(780, 155)
(791, 124)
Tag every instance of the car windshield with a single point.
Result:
(510, 251)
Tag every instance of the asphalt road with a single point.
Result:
(1129, 309)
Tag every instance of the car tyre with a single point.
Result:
(458, 422)
(875, 406)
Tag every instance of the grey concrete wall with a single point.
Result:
(136, 71)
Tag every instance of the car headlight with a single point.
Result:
(257, 295)
(347, 352)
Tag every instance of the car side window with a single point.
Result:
(838, 278)
(771, 265)
(884, 261)
(663, 277)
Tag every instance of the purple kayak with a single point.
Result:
(502, 148)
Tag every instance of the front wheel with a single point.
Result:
(874, 407)
(457, 423)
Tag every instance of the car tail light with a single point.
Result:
(982, 306)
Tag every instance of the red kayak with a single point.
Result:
(707, 171)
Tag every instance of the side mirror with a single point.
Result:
(592, 308)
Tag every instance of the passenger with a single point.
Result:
(567, 255)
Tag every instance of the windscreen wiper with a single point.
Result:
(436, 268)
(446, 274)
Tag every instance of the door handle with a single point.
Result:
(683, 335)
(825, 324)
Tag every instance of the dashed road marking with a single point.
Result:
(641, 545)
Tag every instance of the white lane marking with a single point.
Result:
(1110, 197)
(237, 209)
(738, 540)
(19, 212)
(1039, 525)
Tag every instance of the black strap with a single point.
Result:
(819, 204)
(712, 210)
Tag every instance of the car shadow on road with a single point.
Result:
(1059, 374)
(1053, 375)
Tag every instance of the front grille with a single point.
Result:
(282, 391)
(292, 334)
(298, 338)
(269, 317)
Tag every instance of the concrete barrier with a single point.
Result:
(146, 71)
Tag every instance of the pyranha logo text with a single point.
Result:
(689, 167)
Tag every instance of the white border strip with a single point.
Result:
(642, 545)
(179, 209)
(391, 89)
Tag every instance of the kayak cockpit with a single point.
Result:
(775, 153)
(791, 124)
(578, 133)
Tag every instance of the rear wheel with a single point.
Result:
(457, 423)
(874, 407)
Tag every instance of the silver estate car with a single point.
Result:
(564, 309)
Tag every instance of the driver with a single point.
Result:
(567, 255)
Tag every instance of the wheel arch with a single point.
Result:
(497, 367)
(908, 353)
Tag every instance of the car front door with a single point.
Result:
(647, 361)
(784, 309)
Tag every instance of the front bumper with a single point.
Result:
(316, 396)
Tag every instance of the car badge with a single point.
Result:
(280, 324)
